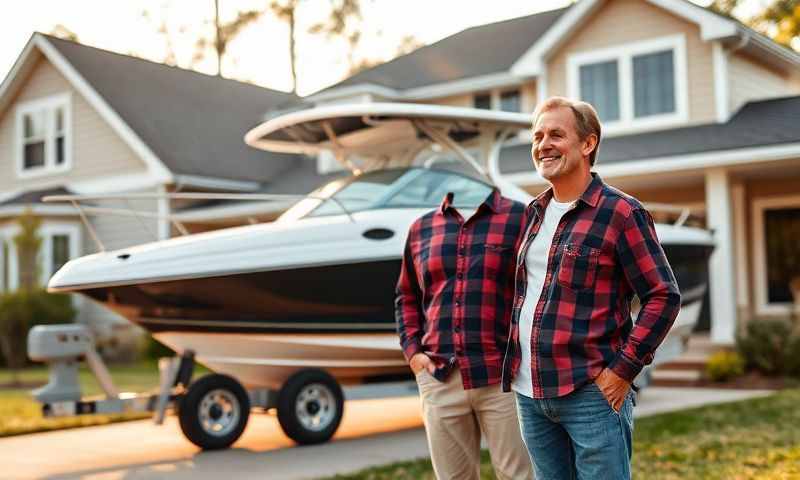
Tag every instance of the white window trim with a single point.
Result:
(624, 54)
(47, 231)
(496, 93)
(48, 103)
(7, 234)
(763, 307)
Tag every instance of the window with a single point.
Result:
(5, 268)
(510, 101)
(634, 86)
(775, 227)
(430, 186)
(653, 84)
(781, 231)
(60, 243)
(600, 87)
(59, 252)
(43, 130)
(483, 100)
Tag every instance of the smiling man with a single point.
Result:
(574, 350)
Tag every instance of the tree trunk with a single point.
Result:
(218, 38)
(292, 56)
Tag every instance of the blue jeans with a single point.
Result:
(577, 436)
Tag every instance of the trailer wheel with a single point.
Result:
(310, 406)
(214, 411)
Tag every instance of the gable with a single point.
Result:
(97, 150)
(626, 23)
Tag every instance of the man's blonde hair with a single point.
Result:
(586, 120)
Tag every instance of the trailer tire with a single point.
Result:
(214, 411)
(310, 406)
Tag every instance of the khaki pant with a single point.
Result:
(454, 420)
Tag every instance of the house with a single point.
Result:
(698, 111)
(79, 120)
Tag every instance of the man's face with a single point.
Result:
(557, 150)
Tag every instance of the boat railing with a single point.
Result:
(86, 210)
(683, 212)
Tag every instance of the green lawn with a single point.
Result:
(754, 439)
(19, 413)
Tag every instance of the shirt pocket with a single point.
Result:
(497, 258)
(578, 268)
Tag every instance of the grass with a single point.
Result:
(753, 439)
(20, 413)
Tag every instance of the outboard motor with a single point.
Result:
(62, 347)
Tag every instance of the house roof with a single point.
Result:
(34, 196)
(476, 51)
(756, 124)
(194, 123)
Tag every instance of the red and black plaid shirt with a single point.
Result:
(456, 287)
(604, 251)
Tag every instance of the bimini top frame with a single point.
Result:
(373, 136)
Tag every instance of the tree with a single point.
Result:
(30, 304)
(285, 11)
(224, 33)
(61, 31)
(340, 23)
(780, 20)
(28, 243)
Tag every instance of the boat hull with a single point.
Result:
(262, 327)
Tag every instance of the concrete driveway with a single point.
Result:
(374, 431)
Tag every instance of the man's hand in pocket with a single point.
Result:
(614, 388)
(420, 361)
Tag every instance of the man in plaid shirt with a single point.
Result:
(574, 350)
(453, 312)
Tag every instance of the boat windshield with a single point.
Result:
(396, 188)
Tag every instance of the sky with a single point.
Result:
(260, 53)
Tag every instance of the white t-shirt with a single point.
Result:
(536, 266)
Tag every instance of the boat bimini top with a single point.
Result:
(375, 136)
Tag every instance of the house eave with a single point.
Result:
(675, 163)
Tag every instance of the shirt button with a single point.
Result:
(459, 275)
(457, 329)
(458, 303)
(461, 251)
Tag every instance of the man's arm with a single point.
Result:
(408, 305)
(648, 273)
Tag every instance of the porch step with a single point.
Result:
(663, 377)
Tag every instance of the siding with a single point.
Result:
(97, 149)
(116, 232)
(751, 81)
(619, 22)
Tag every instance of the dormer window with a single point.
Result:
(504, 100)
(43, 136)
(635, 86)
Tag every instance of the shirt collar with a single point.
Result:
(493, 201)
(590, 196)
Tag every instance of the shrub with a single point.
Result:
(153, 349)
(21, 310)
(724, 365)
(767, 346)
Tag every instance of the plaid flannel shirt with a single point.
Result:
(456, 288)
(604, 251)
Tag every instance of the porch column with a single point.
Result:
(721, 272)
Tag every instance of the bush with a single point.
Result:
(153, 349)
(724, 365)
(21, 310)
(770, 346)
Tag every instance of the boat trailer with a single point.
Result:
(212, 410)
